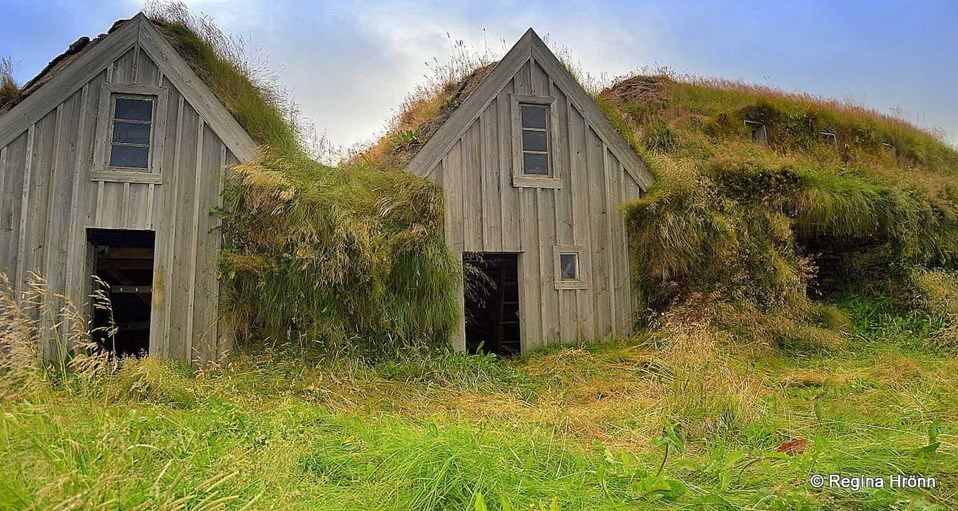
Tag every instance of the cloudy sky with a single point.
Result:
(350, 64)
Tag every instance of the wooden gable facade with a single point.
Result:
(493, 206)
(59, 184)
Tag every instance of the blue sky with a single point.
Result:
(350, 64)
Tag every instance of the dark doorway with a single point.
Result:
(123, 265)
(492, 303)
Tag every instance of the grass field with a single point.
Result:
(686, 418)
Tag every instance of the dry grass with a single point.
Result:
(9, 90)
(426, 109)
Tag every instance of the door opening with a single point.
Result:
(492, 303)
(123, 260)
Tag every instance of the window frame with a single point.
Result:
(109, 92)
(757, 131)
(583, 281)
(831, 138)
(519, 178)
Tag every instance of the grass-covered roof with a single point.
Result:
(314, 252)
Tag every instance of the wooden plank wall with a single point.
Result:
(485, 213)
(48, 200)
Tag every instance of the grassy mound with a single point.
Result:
(837, 198)
(344, 255)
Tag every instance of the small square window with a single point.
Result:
(569, 273)
(535, 139)
(569, 266)
(830, 138)
(132, 126)
(758, 132)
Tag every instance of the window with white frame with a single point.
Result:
(568, 267)
(132, 130)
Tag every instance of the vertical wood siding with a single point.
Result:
(486, 213)
(48, 200)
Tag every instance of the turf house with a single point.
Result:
(533, 174)
(111, 164)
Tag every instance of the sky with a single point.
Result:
(349, 65)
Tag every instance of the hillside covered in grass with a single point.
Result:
(830, 199)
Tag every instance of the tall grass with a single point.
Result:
(317, 254)
(756, 222)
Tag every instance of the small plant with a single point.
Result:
(659, 138)
(406, 137)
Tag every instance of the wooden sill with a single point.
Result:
(126, 176)
(536, 182)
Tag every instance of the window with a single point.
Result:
(758, 132)
(131, 123)
(132, 126)
(830, 138)
(568, 267)
(534, 143)
(535, 139)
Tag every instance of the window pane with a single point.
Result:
(569, 266)
(131, 133)
(534, 116)
(134, 109)
(130, 157)
(537, 164)
(534, 141)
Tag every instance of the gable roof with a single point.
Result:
(59, 81)
(529, 46)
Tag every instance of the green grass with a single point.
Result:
(755, 222)
(574, 427)
(314, 253)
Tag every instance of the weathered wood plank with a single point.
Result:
(530, 281)
(564, 221)
(191, 333)
(491, 180)
(598, 217)
(523, 79)
(549, 295)
(204, 311)
(452, 181)
(125, 67)
(11, 197)
(509, 200)
(540, 80)
(147, 73)
(181, 306)
(581, 228)
(472, 190)
(76, 239)
(21, 271)
(161, 341)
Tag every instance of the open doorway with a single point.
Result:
(492, 303)
(123, 261)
